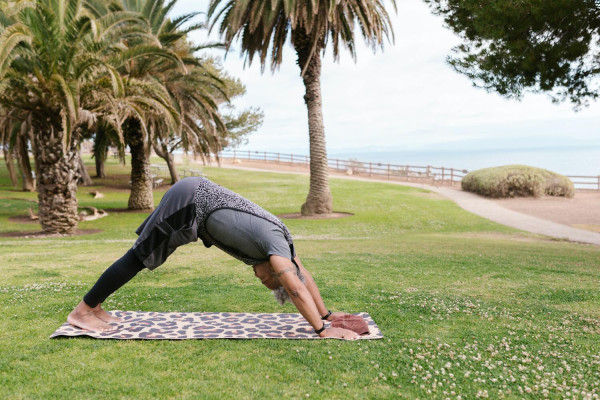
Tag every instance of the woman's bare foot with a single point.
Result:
(105, 316)
(84, 317)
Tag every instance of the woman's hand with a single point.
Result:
(339, 333)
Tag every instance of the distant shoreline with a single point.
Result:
(437, 172)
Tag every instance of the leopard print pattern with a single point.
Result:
(210, 197)
(208, 325)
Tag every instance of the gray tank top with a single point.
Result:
(210, 197)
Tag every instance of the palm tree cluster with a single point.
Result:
(118, 71)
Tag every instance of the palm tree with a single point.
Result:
(162, 32)
(196, 94)
(53, 70)
(264, 27)
(192, 92)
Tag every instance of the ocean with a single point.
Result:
(583, 161)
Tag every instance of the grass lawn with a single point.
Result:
(469, 308)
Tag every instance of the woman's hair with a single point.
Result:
(280, 293)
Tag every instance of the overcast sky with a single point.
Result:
(406, 98)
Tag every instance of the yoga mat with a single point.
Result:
(208, 325)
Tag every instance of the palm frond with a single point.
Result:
(10, 38)
(147, 51)
(70, 95)
(265, 26)
(13, 8)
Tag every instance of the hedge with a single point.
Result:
(517, 181)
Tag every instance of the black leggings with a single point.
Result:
(113, 278)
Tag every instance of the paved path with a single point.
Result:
(485, 208)
(488, 209)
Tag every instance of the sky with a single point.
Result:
(404, 98)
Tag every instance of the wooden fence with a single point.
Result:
(160, 169)
(412, 173)
(585, 182)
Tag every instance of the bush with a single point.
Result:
(517, 181)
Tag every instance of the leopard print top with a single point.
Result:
(210, 197)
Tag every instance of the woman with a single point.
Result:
(198, 208)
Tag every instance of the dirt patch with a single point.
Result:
(333, 215)
(582, 211)
(20, 199)
(42, 235)
(23, 219)
(588, 227)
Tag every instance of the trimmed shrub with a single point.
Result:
(517, 181)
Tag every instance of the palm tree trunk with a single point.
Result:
(162, 151)
(100, 153)
(8, 156)
(25, 164)
(8, 159)
(140, 197)
(84, 176)
(319, 200)
(57, 176)
(100, 167)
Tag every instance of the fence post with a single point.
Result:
(265, 157)
(443, 172)
(451, 176)
(277, 158)
(292, 158)
(598, 188)
(370, 169)
(388, 171)
(407, 172)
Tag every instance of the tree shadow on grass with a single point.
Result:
(42, 234)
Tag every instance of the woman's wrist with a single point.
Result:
(319, 331)
(326, 316)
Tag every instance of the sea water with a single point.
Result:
(572, 161)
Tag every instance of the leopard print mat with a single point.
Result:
(208, 325)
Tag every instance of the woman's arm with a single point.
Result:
(312, 289)
(303, 298)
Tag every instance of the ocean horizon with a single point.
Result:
(584, 161)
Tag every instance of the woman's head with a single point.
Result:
(268, 277)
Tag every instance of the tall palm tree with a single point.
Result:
(196, 94)
(192, 92)
(53, 69)
(163, 32)
(264, 27)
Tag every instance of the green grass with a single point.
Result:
(468, 307)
